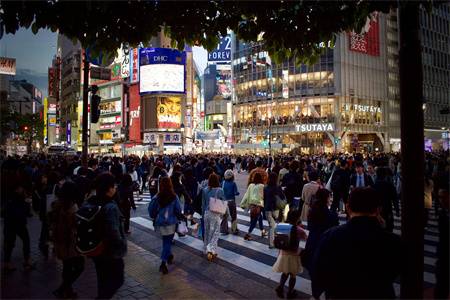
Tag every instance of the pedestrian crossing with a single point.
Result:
(256, 257)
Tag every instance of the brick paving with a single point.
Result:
(142, 279)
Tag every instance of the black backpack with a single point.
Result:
(90, 218)
(285, 236)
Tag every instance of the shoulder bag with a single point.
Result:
(217, 205)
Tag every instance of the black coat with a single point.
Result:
(387, 195)
(358, 260)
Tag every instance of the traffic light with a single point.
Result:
(95, 109)
(25, 128)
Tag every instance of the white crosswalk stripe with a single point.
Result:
(260, 245)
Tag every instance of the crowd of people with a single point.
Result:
(85, 212)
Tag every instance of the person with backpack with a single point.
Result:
(101, 235)
(126, 200)
(272, 194)
(253, 200)
(230, 191)
(320, 219)
(165, 211)
(288, 261)
(213, 208)
(62, 221)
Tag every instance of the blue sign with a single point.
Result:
(162, 70)
(223, 51)
(149, 56)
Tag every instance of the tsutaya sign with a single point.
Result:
(320, 127)
(362, 108)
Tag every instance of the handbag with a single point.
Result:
(280, 203)
(255, 211)
(217, 205)
(182, 228)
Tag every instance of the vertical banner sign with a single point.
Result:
(125, 63)
(285, 81)
(368, 41)
(69, 133)
(223, 51)
(45, 120)
(51, 82)
(134, 65)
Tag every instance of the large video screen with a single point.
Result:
(162, 78)
(161, 70)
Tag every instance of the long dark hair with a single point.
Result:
(68, 194)
(317, 213)
(166, 193)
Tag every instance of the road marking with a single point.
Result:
(303, 285)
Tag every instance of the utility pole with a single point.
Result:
(412, 150)
(84, 137)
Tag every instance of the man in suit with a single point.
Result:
(360, 259)
(360, 178)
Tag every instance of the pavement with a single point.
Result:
(243, 268)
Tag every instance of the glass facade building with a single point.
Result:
(338, 104)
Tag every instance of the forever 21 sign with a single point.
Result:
(223, 51)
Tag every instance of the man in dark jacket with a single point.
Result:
(340, 183)
(360, 259)
(387, 195)
(360, 178)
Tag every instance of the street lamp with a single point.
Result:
(182, 138)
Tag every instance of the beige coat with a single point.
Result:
(309, 190)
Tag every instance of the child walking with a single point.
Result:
(288, 261)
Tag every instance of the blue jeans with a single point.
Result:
(253, 222)
(166, 247)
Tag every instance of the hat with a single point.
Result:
(228, 174)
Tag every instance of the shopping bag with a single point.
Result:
(182, 228)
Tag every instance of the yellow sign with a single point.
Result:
(45, 120)
(169, 112)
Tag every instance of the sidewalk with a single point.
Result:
(142, 279)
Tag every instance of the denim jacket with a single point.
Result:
(165, 216)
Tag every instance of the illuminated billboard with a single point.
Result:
(169, 112)
(161, 70)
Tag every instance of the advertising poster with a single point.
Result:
(161, 70)
(69, 133)
(223, 79)
(135, 114)
(169, 112)
(368, 41)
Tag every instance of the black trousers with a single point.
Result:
(337, 197)
(72, 269)
(110, 276)
(10, 233)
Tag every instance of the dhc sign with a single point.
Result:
(223, 51)
(320, 127)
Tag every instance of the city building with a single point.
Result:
(66, 70)
(167, 100)
(340, 103)
(435, 40)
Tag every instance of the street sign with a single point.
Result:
(100, 73)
